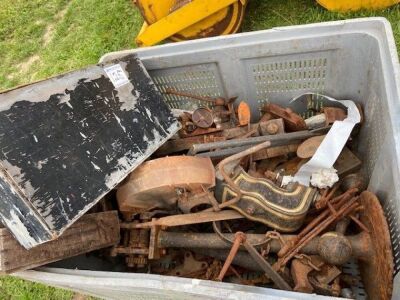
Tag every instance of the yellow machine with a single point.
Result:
(345, 5)
(188, 19)
(179, 20)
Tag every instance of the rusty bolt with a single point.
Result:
(220, 101)
(272, 128)
(190, 127)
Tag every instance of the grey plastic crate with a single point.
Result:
(352, 59)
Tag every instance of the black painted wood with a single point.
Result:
(68, 140)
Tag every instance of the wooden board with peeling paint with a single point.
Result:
(89, 233)
(68, 140)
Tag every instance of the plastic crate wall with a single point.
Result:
(353, 59)
(335, 66)
(270, 71)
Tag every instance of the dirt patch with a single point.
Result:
(25, 66)
(78, 296)
(49, 32)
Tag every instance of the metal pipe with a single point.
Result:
(360, 243)
(223, 152)
(213, 241)
(276, 140)
(230, 151)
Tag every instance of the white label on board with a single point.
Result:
(116, 75)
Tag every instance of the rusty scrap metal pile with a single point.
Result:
(220, 201)
(272, 196)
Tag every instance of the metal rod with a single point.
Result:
(169, 239)
(223, 152)
(276, 140)
(230, 151)
(187, 219)
(267, 268)
(239, 239)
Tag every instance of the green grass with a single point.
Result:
(13, 288)
(263, 14)
(42, 38)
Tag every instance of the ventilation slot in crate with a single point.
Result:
(291, 75)
(351, 268)
(392, 220)
(197, 82)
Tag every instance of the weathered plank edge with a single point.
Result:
(113, 237)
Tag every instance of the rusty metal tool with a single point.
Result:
(227, 178)
(203, 117)
(263, 201)
(241, 259)
(377, 269)
(342, 209)
(211, 245)
(260, 199)
(260, 155)
(196, 131)
(209, 135)
(190, 267)
(276, 140)
(300, 269)
(329, 116)
(308, 148)
(156, 183)
(353, 180)
(272, 127)
(275, 152)
(182, 144)
(244, 114)
(327, 273)
(223, 107)
(372, 250)
(332, 289)
(240, 239)
(360, 243)
(333, 114)
(189, 202)
(187, 219)
(344, 197)
(293, 121)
